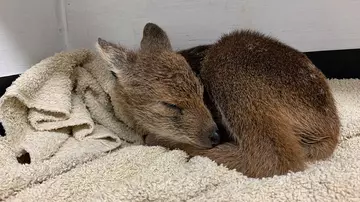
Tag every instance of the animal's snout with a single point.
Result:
(214, 138)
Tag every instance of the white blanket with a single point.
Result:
(59, 112)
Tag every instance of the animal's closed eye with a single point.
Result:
(172, 106)
(114, 74)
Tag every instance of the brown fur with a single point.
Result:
(274, 107)
(272, 101)
(157, 94)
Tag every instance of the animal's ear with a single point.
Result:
(118, 57)
(154, 38)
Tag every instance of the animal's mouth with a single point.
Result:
(203, 144)
(200, 142)
(209, 141)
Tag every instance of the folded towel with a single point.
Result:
(64, 139)
(59, 113)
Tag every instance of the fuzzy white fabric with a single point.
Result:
(59, 112)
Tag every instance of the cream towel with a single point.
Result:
(141, 173)
(60, 113)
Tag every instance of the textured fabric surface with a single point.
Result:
(59, 112)
(78, 153)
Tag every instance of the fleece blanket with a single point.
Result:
(64, 143)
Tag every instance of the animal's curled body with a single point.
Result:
(272, 103)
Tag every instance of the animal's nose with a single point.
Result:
(214, 138)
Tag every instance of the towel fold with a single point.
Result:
(59, 110)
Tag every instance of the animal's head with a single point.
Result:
(160, 94)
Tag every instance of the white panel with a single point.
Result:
(307, 25)
(29, 32)
(35, 29)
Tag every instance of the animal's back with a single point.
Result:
(272, 100)
(248, 60)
